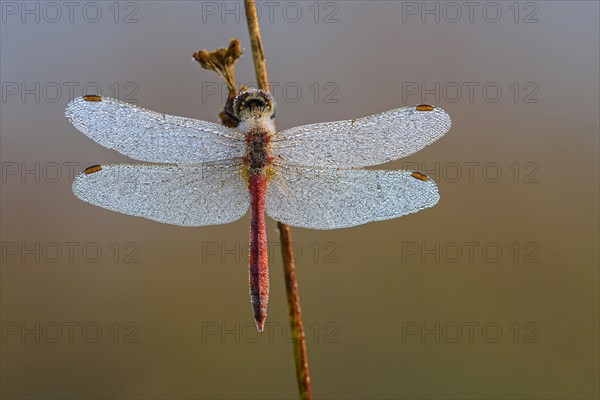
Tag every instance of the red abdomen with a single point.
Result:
(259, 267)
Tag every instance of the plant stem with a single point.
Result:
(295, 313)
(258, 54)
(289, 268)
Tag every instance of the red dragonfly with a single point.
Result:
(205, 173)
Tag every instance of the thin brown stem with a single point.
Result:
(289, 267)
(258, 54)
(295, 312)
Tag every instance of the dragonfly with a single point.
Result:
(199, 173)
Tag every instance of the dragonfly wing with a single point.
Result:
(190, 195)
(150, 136)
(364, 141)
(323, 198)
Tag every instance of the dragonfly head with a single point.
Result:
(253, 104)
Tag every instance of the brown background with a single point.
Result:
(360, 288)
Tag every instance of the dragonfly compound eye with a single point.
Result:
(253, 103)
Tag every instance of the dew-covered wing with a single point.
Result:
(325, 198)
(190, 195)
(365, 141)
(150, 136)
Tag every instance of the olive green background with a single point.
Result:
(374, 297)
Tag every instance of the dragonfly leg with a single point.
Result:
(228, 110)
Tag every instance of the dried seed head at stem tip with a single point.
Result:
(221, 61)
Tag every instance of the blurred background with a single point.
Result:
(493, 293)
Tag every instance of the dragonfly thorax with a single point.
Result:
(258, 155)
